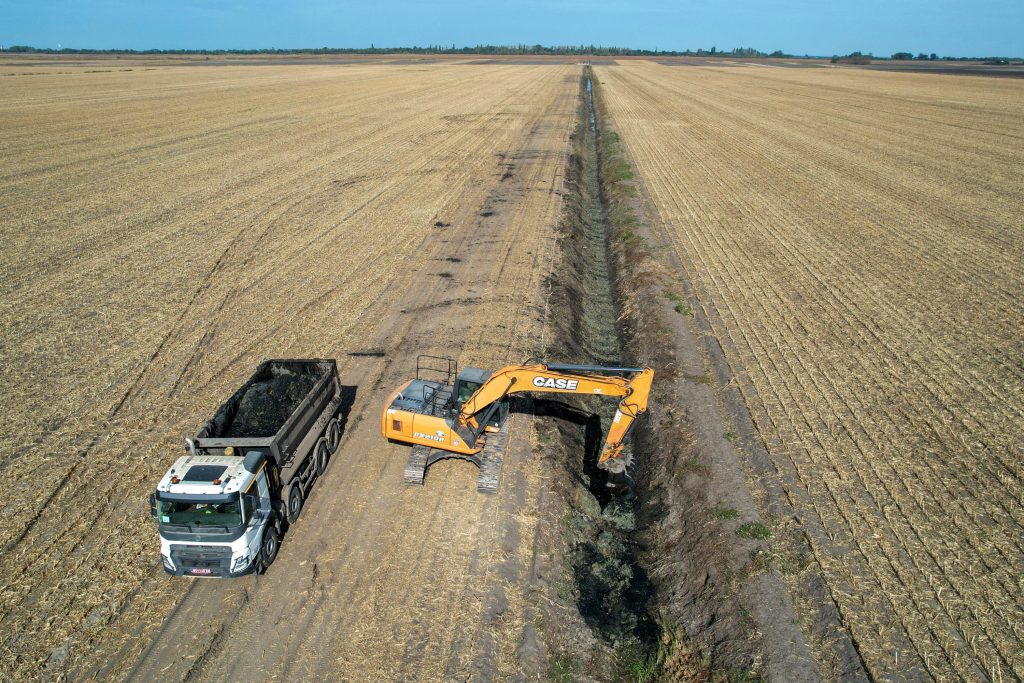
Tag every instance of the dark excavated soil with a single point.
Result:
(266, 405)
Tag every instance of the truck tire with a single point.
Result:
(268, 548)
(322, 453)
(293, 503)
(333, 435)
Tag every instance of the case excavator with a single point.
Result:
(444, 413)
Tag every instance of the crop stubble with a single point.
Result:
(165, 230)
(856, 242)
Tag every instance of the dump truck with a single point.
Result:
(444, 413)
(221, 508)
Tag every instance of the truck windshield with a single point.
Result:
(199, 513)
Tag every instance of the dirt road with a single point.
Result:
(165, 230)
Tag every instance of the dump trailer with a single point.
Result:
(221, 508)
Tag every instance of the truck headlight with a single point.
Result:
(167, 562)
(240, 563)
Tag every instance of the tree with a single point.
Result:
(902, 55)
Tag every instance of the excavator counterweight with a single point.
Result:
(444, 413)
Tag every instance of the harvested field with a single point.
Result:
(163, 231)
(854, 241)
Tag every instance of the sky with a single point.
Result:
(821, 27)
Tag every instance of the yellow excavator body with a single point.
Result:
(408, 426)
(454, 413)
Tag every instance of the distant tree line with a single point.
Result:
(853, 58)
(859, 58)
(521, 49)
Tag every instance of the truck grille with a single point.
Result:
(201, 560)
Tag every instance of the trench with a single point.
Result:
(613, 593)
(601, 336)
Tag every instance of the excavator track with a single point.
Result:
(491, 459)
(416, 465)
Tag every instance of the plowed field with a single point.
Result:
(162, 231)
(856, 241)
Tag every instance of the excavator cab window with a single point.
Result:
(467, 383)
(466, 390)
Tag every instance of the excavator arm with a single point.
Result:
(631, 385)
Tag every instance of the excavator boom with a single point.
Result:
(633, 385)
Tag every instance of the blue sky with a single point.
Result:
(825, 27)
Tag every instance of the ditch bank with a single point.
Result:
(678, 577)
(739, 594)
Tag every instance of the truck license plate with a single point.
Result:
(202, 571)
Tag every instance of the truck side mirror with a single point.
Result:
(152, 504)
(252, 503)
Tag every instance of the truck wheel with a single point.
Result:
(322, 453)
(294, 503)
(333, 435)
(268, 548)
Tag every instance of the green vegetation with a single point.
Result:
(561, 669)
(620, 170)
(644, 669)
(853, 58)
(725, 513)
(681, 306)
(754, 531)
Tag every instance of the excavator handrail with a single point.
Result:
(567, 367)
(450, 370)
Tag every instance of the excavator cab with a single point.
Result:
(441, 389)
(467, 383)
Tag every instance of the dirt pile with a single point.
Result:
(266, 405)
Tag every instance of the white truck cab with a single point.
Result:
(214, 515)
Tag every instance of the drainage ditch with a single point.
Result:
(604, 580)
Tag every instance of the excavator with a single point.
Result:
(444, 413)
